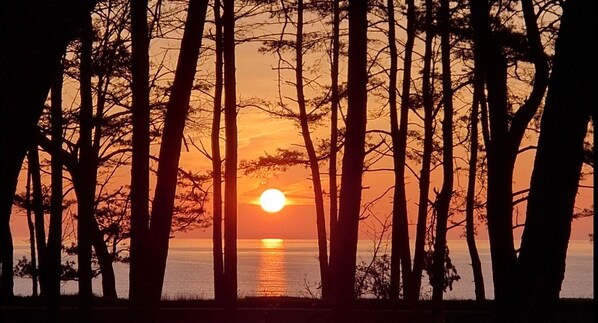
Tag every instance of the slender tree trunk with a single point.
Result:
(334, 106)
(217, 162)
(476, 265)
(31, 227)
(105, 260)
(38, 213)
(344, 247)
(54, 246)
(86, 196)
(230, 165)
(170, 148)
(311, 154)
(557, 167)
(400, 233)
(444, 198)
(424, 178)
(138, 276)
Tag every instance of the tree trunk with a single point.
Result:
(344, 247)
(86, 192)
(312, 157)
(334, 106)
(504, 135)
(38, 35)
(138, 276)
(230, 165)
(170, 147)
(400, 254)
(557, 166)
(446, 192)
(424, 178)
(476, 265)
(31, 227)
(54, 246)
(217, 162)
(38, 213)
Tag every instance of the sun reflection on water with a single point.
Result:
(272, 271)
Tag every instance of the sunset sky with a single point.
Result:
(260, 133)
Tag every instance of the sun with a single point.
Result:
(272, 200)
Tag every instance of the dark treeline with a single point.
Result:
(458, 85)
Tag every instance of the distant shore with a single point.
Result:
(288, 310)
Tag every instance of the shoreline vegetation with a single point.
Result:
(282, 309)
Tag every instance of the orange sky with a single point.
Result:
(259, 133)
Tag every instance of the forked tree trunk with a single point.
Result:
(400, 253)
(505, 132)
(570, 101)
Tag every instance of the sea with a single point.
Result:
(289, 267)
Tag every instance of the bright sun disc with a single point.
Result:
(272, 200)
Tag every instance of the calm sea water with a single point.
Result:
(274, 267)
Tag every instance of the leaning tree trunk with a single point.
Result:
(569, 103)
(312, 157)
(170, 147)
